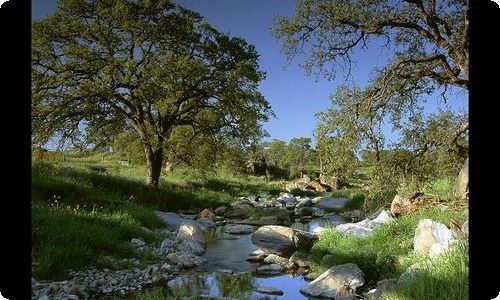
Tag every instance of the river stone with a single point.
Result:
(191, 247)
(384, 217)
(297, 259)
(238, 211)
(338, 281)
(304, 202)
(186, 260)
(286, 198)
(220, 210)
(269, 290)
(271, 269)
(429, 233)
(329, 203)
(207, 223)
(282, 240)
(461, 189)
(137, 242)
(354, 229)
(191, 232)
(353, 214)
(168, 243)
(174, 221)
(239, 229)
(207, 213)
(275, 259)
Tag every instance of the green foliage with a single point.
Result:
(102, 69)
(303, 193)
(348, 125)
(384, 254)
(297, 155)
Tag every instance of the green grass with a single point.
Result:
(386, 253)
(65, 237)
(79, 182)
(85, 210)
(446, 278)
(441, 188)
(356, 198)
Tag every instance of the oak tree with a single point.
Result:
(103, 67)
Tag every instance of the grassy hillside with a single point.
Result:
(85, 210)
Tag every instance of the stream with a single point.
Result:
(228, 274)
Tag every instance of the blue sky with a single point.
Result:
(295, 97)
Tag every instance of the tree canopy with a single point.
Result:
(103, 67)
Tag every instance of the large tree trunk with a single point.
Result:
(154, 161)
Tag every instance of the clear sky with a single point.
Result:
(294, 97)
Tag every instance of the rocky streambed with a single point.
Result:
(226, 254)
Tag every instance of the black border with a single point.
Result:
(15, 213)
(484, 56)
(15, 267)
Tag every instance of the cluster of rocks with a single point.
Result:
(279, 248)
(182, 249)
(90, 283)
(318, 185)
(283, 209)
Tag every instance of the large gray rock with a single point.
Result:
(429, 233)
(365, 227)
(275, 259)
(282, 240)
(462, 185)
(191, 232)
(186, 260)
(168, 243)
(329, 203)
(336, 282)
(238, 211)
(220, 210)
(207, 223)
(191, 247)
(271, 269)
(174, 221)
(354, 229)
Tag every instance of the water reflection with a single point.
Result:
(228, 254)
(235, 286)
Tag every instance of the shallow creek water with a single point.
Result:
(228, 273)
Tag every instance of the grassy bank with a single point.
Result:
(387, 252)
(85, 211)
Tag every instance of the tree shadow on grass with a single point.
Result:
(84, 187)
